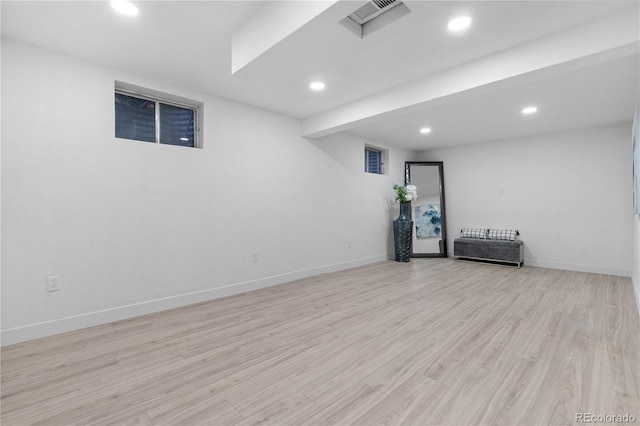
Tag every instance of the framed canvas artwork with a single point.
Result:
(427, 220)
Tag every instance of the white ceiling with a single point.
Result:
(565, 101)
(576, 60)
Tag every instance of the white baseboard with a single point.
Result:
(49, 328)
(595, 269)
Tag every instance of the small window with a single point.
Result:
(150, 119)
(372, 160)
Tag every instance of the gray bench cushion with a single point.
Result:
(500, 250)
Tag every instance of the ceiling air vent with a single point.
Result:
(371, 10)
(373, 16)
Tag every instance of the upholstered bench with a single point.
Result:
(489, 250)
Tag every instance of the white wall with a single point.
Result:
(636, 246)
(567, 193)
(1, 256)
(133, 227)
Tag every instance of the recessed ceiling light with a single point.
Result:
(459, 23)
(529, 110)
(125, 7)
(317, 85)
(425, 130)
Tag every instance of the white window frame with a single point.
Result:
(167, 99)
(383, 157)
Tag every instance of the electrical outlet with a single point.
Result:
(53, 283)
(256, 256)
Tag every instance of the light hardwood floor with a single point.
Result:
(430, 342)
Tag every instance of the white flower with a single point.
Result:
(412, 192)
(405, 193)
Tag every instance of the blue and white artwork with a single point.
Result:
(427, 220)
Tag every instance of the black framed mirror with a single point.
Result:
(428, 210)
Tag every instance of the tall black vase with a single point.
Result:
(402, 233)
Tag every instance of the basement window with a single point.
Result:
(373, 160)
(148, 116)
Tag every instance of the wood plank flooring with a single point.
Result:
(429, 342)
